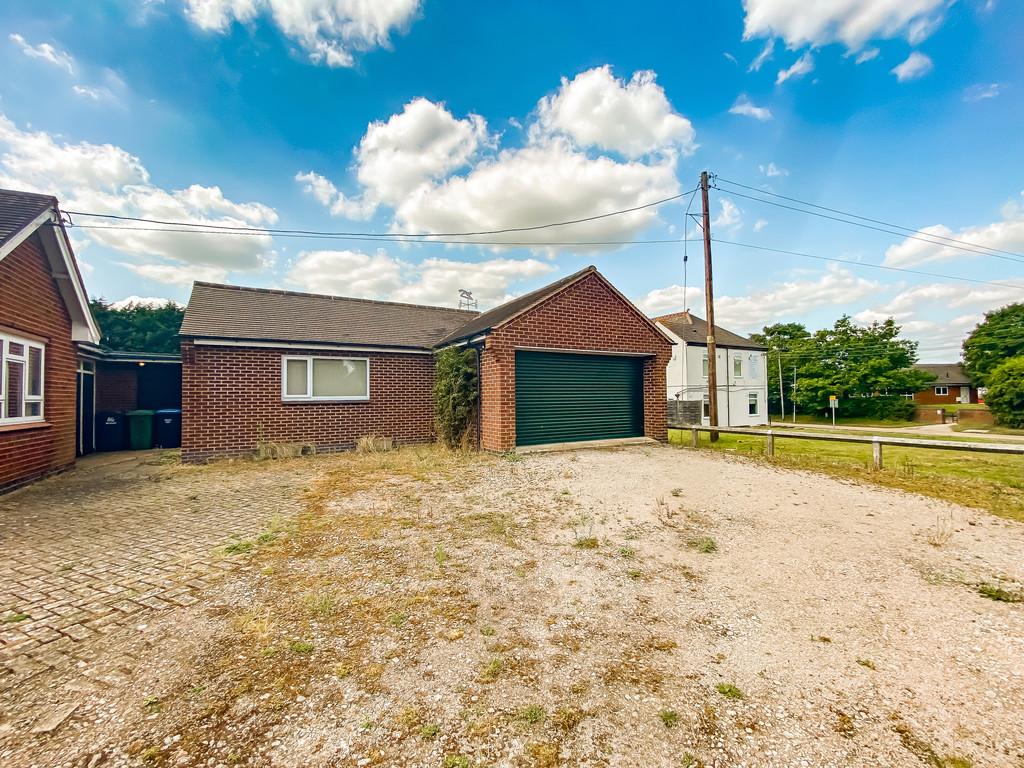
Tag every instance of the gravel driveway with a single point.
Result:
(646, 606)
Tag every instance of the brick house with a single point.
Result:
(951, 385)
(571, 361)
(44, 315)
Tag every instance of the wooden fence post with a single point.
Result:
(769, 447)
(876, 452)
(694, 438)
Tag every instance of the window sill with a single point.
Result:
(24, 425)
(314, 400)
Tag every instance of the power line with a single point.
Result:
(1013, 257)
(938, 275)
(381, 235)
(866, 218)
(373, 239)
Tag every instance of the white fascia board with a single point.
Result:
(200, 341)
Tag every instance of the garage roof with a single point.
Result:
(951, 374)
(260, 314)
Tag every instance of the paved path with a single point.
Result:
(120, 536)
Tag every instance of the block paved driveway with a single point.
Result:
(121, 536)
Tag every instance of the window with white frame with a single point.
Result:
(737, 367)
(704, 366)
(752, 403)
(753, 367)
(21, 380)
(325, 378)
(942, 391)
(706, 407)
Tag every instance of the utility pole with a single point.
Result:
(709, 304)
(782, 396)
(794, 393)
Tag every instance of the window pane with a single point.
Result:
(33, 409)
(752, 404)
(704, 366)
(754, 366)
(14, 394)
(15, 348)
(35, 371)
(737, 366)
(339, 378)
(295, 377)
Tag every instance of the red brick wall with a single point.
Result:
(117, 387)
(231, 398)
(585, 316)
(31, 303)
(928, 396)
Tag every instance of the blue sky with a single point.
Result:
(451, 116)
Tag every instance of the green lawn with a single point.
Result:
(851, 421)
(987, 481)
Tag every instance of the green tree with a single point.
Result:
(456, 387)
(996, 338)
(1005, 396)
(868, 367)
(138, 327)
(780, 338)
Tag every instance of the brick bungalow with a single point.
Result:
(44, 314)
(951, 385)
(574, 360)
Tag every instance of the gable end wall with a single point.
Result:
(587, 315)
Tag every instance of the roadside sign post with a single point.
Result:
(833, 401)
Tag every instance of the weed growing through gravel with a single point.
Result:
(729, 690)
(440, 556)
(867, 664)
(151, 704)
(321, 603)
(533, 714)
(583, 531)
(704, 544)
(397, 619)
(487, 631)
(491, 670)
(587, 542)
(635, 573)
(545, 754)
(567, 718)
(943, 530)
(1000, 595)
(456, 761)
(300, 646)
(627, 552)
(14, 618)
(687, 761)
(239, 547)
(669, 718)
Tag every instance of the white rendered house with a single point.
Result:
(742, 371)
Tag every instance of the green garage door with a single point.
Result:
(562, 397)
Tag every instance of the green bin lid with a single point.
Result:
(140, 413)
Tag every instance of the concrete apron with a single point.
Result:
(584, 444)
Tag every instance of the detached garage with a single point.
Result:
(572, 361)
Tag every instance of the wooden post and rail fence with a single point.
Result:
(876, 442)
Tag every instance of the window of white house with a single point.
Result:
(752, 404)
(21, 380)
(706, 407)
(942, 390)
(753, 366)
(704, 366)
(737, 367)
(325, 378)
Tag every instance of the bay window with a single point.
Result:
(21, 380)
(325, 378)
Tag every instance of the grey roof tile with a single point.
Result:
(694, 330)
(19, 209)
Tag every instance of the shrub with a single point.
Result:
(456, 388)
(1005, 396)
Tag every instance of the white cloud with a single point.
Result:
(103, 178)
(96, 93)
(834, 287)
(916, 65)
(439, 173)
(329, 31)
(1004, 235)
(868, 54)
(982, 91)
(143, 301)
(851, 22)
(729, 218)
(800, 67)
(730, 57)
(743, 106)
(772, 170)
(177, 274)
(763, 56)
(633, 118)
(760, 224)
(432, 281)
(45, 52)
